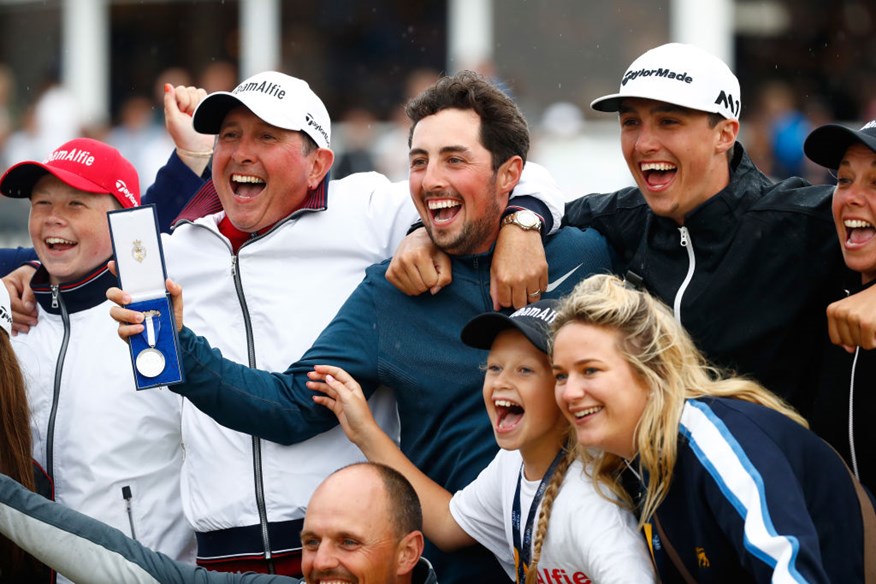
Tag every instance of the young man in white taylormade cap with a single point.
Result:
(747, 265)
(263, 277)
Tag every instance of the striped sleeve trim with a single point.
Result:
(718, 451)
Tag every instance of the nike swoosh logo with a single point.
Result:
(553, 285)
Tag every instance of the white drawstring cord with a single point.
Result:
(852, 416)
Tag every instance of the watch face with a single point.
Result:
(527, 219)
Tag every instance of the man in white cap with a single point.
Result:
(263, 276)
(747, 265)
(111, 452)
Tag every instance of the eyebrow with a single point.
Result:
(444, 150)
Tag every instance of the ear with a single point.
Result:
(322, 162)
(409, 550)
(508, 174)
(727, 132)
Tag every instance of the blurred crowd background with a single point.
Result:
(801, 63)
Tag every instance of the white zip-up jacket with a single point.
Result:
(264, 307)
(93, 432)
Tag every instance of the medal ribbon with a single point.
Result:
(523, 549)
(153, 328)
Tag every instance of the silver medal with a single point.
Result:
(150, 362)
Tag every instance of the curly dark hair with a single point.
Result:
(504, 131)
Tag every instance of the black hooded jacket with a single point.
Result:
(763, 263)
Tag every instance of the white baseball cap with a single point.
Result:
(276, 98)
(5, 310)
(682, 75)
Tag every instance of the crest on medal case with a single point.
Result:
(138, 251)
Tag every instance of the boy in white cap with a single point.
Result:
(112, 453)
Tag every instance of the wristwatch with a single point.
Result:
(524, 219)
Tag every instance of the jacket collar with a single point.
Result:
(82, 294)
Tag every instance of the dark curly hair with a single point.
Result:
(504, 131)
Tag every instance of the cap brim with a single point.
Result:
(611, 103)
(482, 330)
(607, 103)
(19, 180)
(209, 114)
(827, 145)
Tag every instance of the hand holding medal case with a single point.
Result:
(140, 263)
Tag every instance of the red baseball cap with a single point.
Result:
(84, 164)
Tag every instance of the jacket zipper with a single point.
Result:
(57, 302)
(256, 442)
(127, 496)
(692, 264)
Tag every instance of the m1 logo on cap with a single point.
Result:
(726, 100)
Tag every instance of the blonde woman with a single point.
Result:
(728, 483)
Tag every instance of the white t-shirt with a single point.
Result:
(589, 539)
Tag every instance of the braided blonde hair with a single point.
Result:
(664, 357)
(547, 503)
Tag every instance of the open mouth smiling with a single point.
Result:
(443, 210)
(858, 231)
(586, 412)
(247, 186)
(58, 243)
(508, 414)
(658, 174)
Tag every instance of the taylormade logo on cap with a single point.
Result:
(316, 126)
(682, 75)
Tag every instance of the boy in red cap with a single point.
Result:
(112, 452)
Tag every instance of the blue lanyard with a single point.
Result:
(523, 552)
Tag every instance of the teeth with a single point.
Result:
(587, 412)
(856, 224)
(244, 178)
(56, 240)
(442, 204)
(504, 403)
(656, 166)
